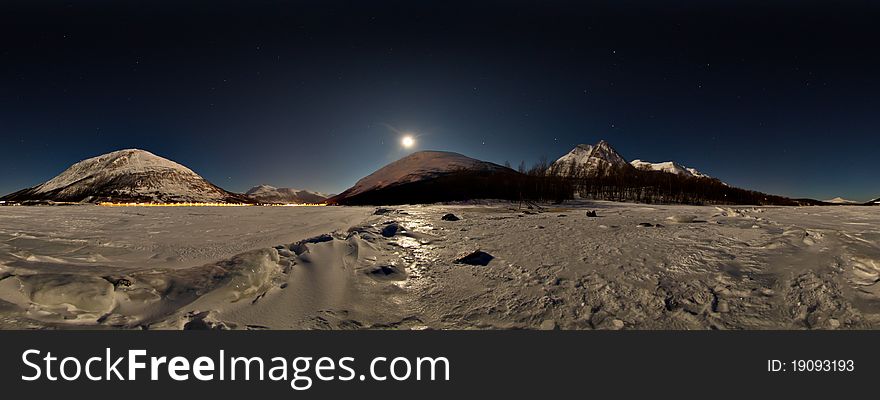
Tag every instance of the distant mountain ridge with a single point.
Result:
(671, 167)
(130, 175)
(841, 200)
(274, 195)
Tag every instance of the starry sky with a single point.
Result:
(781, 98)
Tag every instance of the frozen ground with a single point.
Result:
(348, 268)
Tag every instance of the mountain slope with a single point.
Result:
(271, 194)
(671, 167)
(589, 160)
(127, 176)
(429, 176)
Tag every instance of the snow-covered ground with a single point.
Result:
(348, 267)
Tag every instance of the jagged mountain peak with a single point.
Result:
(589, 159)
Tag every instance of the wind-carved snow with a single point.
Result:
(271, 194)
(416, 167)
(629, 266)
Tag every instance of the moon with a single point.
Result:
(408, 141)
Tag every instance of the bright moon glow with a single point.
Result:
(407, 141)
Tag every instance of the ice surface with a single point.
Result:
(343, 268)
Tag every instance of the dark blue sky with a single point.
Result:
(782, 99)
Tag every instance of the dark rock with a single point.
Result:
(300, 247)
(646, 225)
(391, 229)
(382, 211)
(122, 282)
(114, 281)
(387, 272)
(476, 258)
(592, 214)
(450, 217)
(202, 321)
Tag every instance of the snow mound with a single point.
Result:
(72, 296)
(272, 194)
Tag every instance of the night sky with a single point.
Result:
(784, 99)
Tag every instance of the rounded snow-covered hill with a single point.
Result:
(427, 176)
(272, 194)
(125, 176)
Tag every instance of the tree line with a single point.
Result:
(627, 183)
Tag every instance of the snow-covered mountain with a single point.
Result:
(402, 176)
(840, 200)
(271, 194)
(125, 176)
(592, 160)
(589, 160)
(671, 167)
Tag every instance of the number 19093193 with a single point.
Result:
(811, 366)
